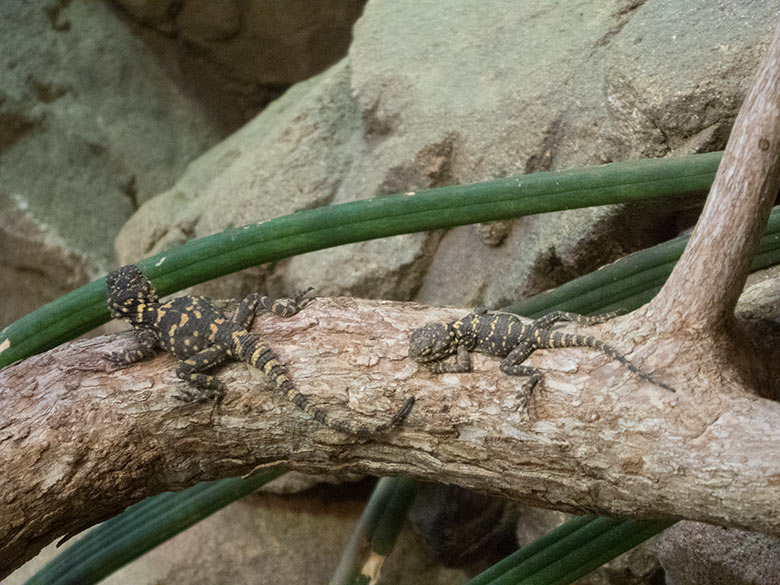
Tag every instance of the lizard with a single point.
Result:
(194, 330)
(506, 336)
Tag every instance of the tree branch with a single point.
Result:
(78, 443)
(703, 289)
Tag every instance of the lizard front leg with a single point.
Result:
(146, 341)
(461, 364)
(287, 307)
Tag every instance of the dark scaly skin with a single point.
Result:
(201, 337)
(506, 336)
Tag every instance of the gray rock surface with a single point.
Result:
(239, 56)
(28, 241)
(89, 128)
(255, 42)
(433, 94)
(693, 553)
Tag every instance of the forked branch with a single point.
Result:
(704, 287)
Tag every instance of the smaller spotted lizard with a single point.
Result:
(506, 336)
(201, 337)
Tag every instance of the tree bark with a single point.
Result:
(704, 287)
(79, 442)
(692, 317)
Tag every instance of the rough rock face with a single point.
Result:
(255, 42)
(98, 113)
(239, 56)
(433, 94)
(28, 241)
(693, 553)
(90, 126)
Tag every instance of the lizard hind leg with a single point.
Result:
(512, 366)
(205, 386)
(548, 320)
(255, 303)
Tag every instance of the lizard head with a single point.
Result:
(128, 291)
(432, 342)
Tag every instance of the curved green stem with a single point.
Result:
(306, 231)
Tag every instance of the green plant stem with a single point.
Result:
(143, 526)
(372, 513)
(570, 551)
(306, 231)
(537, 546)
(393, 516)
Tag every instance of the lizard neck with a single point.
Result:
(138, 313)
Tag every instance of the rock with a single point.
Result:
(255, 42)
(34, 259)
(693, 553)
(90, 127)
(434, 94)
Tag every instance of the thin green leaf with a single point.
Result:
(393, 516)
(608, 546)
(570, 551)
(388, 526)
(143, 526)
(306, 231)
(348, 568)
(539, 545)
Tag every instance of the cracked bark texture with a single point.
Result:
(80, 442)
